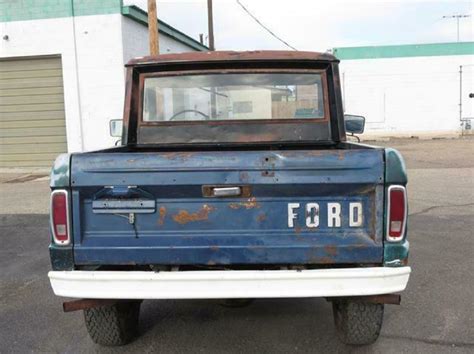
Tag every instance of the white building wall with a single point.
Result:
(94, 50)
(101, 76)
(91, 53)
(135, 41)
(49, 37)
(405, 96)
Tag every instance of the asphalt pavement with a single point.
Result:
(436, 313)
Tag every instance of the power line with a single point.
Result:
(263, 26)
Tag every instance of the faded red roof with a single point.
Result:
(277, 55)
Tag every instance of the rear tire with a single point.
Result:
(113, 325)
(357, 322)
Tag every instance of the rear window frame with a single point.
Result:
(144, 76)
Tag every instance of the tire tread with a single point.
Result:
(112, 325)
(358, 322)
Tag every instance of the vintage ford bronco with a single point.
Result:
(234, 180)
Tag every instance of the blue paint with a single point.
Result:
(395, 253)
(395, 170)
(59, 177)
(188, 228)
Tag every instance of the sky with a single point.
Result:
(319, 25)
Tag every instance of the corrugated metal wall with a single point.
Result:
(32, 120)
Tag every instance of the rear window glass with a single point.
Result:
(233, 97)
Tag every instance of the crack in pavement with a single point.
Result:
(440, 207)
(439, 342)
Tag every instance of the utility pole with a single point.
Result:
(153, 28)
(457, 17)
(210, 25)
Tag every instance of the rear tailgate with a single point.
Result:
(294, 207)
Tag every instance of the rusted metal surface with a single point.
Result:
(234, 133)
(246, 230)
(184, 216)
(83, 304)
(191, 133)
(337, 113)
(162, 213)
(130, 115)
(331, 250)
(179, 155)
(250, 203)
(226, 56)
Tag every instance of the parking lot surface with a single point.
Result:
(436, 313)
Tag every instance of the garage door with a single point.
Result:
(32, 123)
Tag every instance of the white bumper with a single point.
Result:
(229, 284)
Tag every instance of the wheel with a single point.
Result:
(236, 302)
(113, 325)
(357, 322)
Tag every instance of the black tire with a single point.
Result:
(113, 325)
(357, 322)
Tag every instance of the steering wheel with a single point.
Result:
(189, 111)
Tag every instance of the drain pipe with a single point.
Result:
(79, 101)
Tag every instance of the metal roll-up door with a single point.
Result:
(32, 119)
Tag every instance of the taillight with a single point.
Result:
(396, 213)
(60, 217)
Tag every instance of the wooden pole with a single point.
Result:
(210, 25)
(153, 28)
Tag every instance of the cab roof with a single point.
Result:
(233, 56)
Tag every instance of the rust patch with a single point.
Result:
(297, 230)
(178, 155)
(184, 216)
(260, 55)
(324, 260)
(316, 153)
(315, 259)
(161, 219)
(252, 138)
(331, 250)
(214, 248)
(251, 203)
(366, 190)
(261, 217)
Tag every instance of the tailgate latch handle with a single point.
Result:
(226, 191)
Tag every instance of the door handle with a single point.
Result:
(226, 191)
(222, 191)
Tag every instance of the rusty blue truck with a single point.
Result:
(234, 179)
